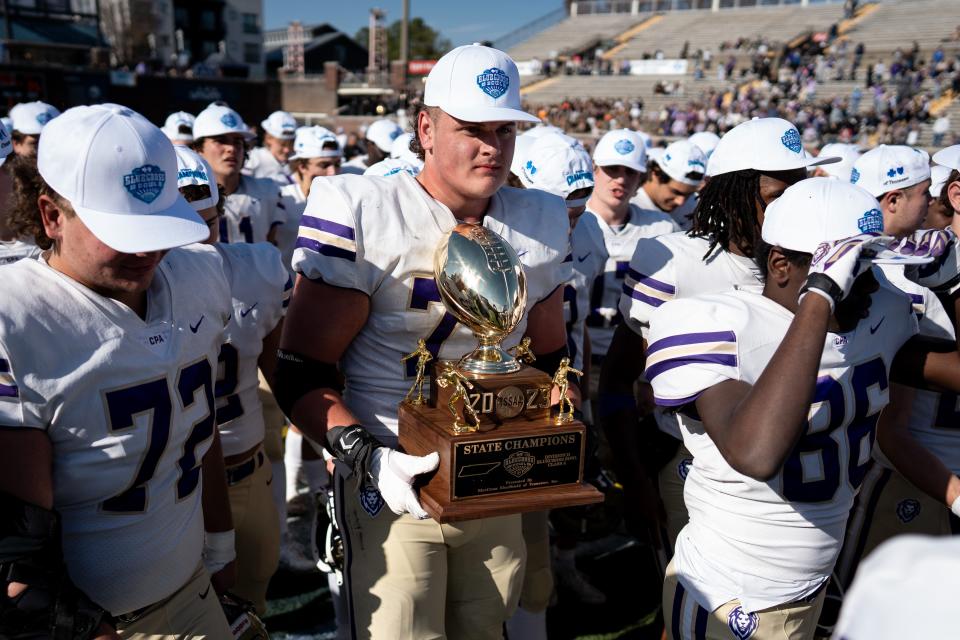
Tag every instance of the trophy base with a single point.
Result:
(524, 464)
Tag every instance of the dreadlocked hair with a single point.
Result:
(726, 211)
(24, 214)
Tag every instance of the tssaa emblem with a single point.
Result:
(519, 463)
(145, 183)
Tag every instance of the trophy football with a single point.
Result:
(502, 448)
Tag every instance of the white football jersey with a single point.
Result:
(17, 250)
(620, 244)
(378, 235)
(294, 203)
(252, 211)
(679, 266)
(934, 417)
(260, 288)
(128, 405)
(588, 255)
(261, 164)
(680, 215)
(767, 543)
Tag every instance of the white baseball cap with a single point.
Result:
(30, 118)
(540, 130)
(938, 179)
(391, 167)
(848, 154)
(7, 122)
(218, 120)
(400, 149)
(476, 84)
(681, 158)
(171, 127)
(762, 144)
(192, 169)
(281, 125)
(818, 210)
(623, 147)
(6, 143)
(948, 157)
(707, 141)
(119, 172)
(890, 167)
(315, 142)
(646, 137)
(382, 133)
(558, 164)
(521, 148)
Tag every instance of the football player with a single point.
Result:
(260, 289)
(365, 259)
(750, 168)
(14, 243)
(939, 210)
(672, 178)
(28, 119)
(178, 127)
(108, 360)
(253, 206)
(378, 141)
(778, 396)
(271, 160)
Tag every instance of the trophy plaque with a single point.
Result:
(502, 448)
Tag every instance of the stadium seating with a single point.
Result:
(573, 35)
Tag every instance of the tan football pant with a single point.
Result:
(685, 619)
(192, 612)
(273, 422)
(538, 575)
(887, 506)
(258, 534)
(409, 579)
(670, 481)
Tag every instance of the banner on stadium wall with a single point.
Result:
(528, 67)
(658, 67)
(420, 67)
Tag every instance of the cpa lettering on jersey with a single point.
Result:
(494, 82)
(871, 222)
(623, 147)
(8, 387)
(370, 500)
(145, 183)
(791, 140)
(908, 510)
(743, 624)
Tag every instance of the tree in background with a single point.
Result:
(425, 41)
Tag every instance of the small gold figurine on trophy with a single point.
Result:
(423, 357)
(560, 381)
(522, 352)
(450, 377)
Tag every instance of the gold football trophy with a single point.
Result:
(504, 451)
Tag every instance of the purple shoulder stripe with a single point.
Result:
(642, 297)
(676, 402)
(723, 359)
(329, 226)
(326, 249)
(653, 283)
(691, 338)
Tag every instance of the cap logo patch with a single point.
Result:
(43, 117)
(871, 222)
(530, 168)
(907, 510)
(229, 120)
(493, 82)
(145, 183)
(696, 163)
(854, 176)
(579, 175)
(395, 134)
(198, 174)
(791, 140)
(898, 171)
(623, 147)
(743, 624)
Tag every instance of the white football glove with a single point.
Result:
(943, 274)
(219, 550)
(836, 265)
(393, 472)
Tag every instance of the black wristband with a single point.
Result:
(297, 375)
(824, 283)
(353, 446)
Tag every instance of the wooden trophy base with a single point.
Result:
(517, 461)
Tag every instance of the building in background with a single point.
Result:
(321, 43)
(61, 32)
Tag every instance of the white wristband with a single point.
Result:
(955, 507)
(820, 292)
(219, 550)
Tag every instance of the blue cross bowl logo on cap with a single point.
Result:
(871, 222)
(624, 147)
(145, 183)
(494, 82)
(791, 140)
(229, 120)
(854, 176)
(898, 171)
(43, 117)
(743, 624)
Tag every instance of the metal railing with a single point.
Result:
(530, 29)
